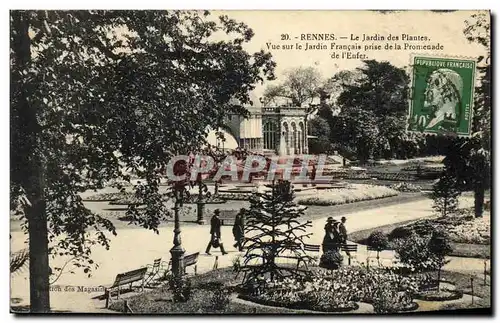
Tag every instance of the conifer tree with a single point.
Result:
(445, 194)
(274, 234)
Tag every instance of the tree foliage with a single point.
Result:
(319, 128)
(371, 122)
(300, 85)
(100, 95)
(445, 195)
(273, 233)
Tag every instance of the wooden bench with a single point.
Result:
(311, 247)
(191, 260)
(430, 286)
(348, 248)
(122, 279)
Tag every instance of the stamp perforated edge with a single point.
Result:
(410, 93)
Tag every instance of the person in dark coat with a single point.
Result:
(239, 229)
(343, 232)
(215, 226)
(331, 238)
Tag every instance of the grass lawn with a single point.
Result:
(462, 282)
(160, 300)
(470, 250)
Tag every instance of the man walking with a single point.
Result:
(215, 242)
(343, 232)
(239, 229)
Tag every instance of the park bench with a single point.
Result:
(349, 248)
(191, 260)
(309, 248)
(127, 278)
(430, 286)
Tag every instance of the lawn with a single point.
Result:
(202, 299)
(465, 233)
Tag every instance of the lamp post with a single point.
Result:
(177, 250)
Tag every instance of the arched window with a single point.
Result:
(270, 131)
(301, 138)
(294, 138)
(286, 135)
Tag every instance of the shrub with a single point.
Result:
(378, 240)
(219, 299)
(180, 287)
(331, 259)
(400, 233)
(414, 252)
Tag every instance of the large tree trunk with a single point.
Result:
(38, 258)
(30, 173)
(478, 200)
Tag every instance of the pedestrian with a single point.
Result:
(215, 236)
(331, 238)
(239, 229)
(343, 232)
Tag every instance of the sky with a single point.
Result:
(443, 28)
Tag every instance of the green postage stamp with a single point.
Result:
(442, 95)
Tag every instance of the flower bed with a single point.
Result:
(340, 290)
(406, 187)
(477, 231)
(235, 196)
(461, 228)
(442, 295)
(101, 197)
(357, 192)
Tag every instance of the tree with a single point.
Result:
(319, 128)
(469, 160)
(470, 164)
(300, 85)
(274, 232)
(97, 95)
(439, 245)
(445, 195)
(357, 131)
(379, 96)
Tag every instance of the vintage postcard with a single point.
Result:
(250, 162)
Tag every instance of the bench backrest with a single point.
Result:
(430, 286)
(369, 248)
(311, 247)
(130, 276)
(192, 259)
(349, 247)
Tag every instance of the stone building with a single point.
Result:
(271, 130)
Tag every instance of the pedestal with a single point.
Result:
(177, 253)
(200, 213)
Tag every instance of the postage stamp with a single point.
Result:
(442, 95)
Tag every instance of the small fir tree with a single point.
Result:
(274, 232)
(445, 195)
